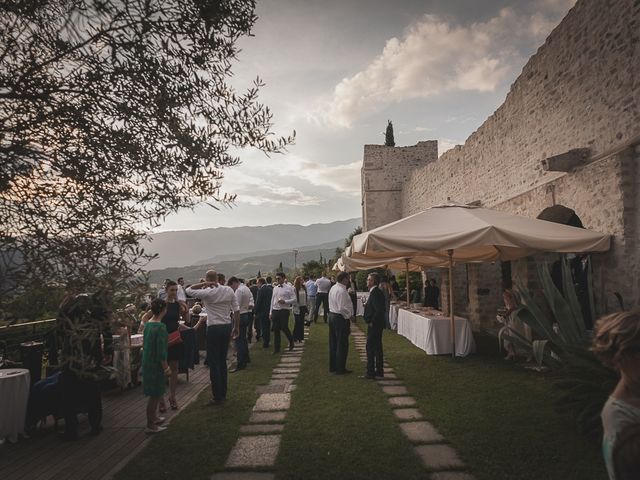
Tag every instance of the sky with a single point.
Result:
(337, 70)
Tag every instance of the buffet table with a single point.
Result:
(14, 395)
(431, 331)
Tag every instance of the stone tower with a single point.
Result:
(384, 172)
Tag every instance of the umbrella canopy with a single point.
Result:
(416, 263)
(474, 234)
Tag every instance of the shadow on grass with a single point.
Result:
(499, 416)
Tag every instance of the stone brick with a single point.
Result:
(402, 401)
(421, 432)
(272, 402)
(407, 414)
(267, 417)
(395, 390)
(261, 428)
(438, 457)
(254, 451)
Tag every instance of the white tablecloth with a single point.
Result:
(433, 333)
(14, 394)
(393, 316)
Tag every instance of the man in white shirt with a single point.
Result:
(182, 295)
(245, 303)
(340, 315)
(322, 297)
(218, 302)
(284, 296)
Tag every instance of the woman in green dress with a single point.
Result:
(154, 364)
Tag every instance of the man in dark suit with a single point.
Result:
(262, 306)
(374, 316)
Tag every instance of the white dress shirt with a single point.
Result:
(340, 301)
(182, 295)
(218, 303)
(244, 297)
(285, 292)
(323, 284)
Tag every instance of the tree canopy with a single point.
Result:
(114, 114)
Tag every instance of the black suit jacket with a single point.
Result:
(374, 313)
(263, 300)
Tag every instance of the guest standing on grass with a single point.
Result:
(617, 343)
(262, 308)
(322, 298)
(218, 301)
(282, 302)
(340, 316)
(245, 303)
(154, 363)
(299, 309)
(374, 317)
(312, 291)
(254, 322)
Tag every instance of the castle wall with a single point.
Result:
(580, 90)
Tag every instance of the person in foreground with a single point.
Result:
(340, 315)
(154, 363)
(219, 301)
(617, 343)
(374, 316)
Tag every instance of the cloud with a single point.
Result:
(445, 144)
(340, 178)
(259, 191)
(436, 55)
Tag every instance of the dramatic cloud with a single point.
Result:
(258, 191)
(436, 55)
(340, 178)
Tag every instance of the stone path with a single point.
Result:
(253, 457)
(439, 458)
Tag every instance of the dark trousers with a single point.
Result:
(280, 319)
(321, 298)
(375, 359)
(79, 395)
(265, 328)
(242, 345)
(218, 337)
(339, 330)
(254, 322)
(298, 327)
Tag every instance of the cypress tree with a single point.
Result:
(388, 136)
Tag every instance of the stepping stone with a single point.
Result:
(390, 376)
(421, 432)
(395, 390)
(452, 476)
(290, 388)
(289, 360)
(388, 370)
(286, 370)
(271, 388)
(243, 476)
(254, 451)
(401, 401)
(284, 376)
(264, 428)
(280, 381)
(407, 414)
(438, 457)
(289, 365)
(269, 402)
(267, 417)
(383, 382)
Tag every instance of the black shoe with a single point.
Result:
(379, 375)
(346, 372)
(237, 369)
(213, 402)
(291, 345)
(367, 377)
(276, 352)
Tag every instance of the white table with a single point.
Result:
(393, 316)
(14, 395)
(432, 333)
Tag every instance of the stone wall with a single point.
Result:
(384, 172)
(580, 90)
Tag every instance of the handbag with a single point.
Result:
(174, 338)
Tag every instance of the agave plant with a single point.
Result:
(562, 344)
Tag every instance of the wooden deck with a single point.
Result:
(45, 456)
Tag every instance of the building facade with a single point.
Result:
(568, 133)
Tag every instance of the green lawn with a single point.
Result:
(199, 440)
(341, 426)
(500, 417)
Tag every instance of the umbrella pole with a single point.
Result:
(453, 318)
(406, 261)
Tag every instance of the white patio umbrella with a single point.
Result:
(463, 233)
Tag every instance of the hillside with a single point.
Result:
(194, 247)
(248, 267)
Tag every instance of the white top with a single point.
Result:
(284, 292)
(218, 303)
(340, 301)
(324, 284)
(301, 302)
(244, 298)
(182, 295)
(616, 416)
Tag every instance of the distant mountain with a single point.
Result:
(193, 247)
(248, 267)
